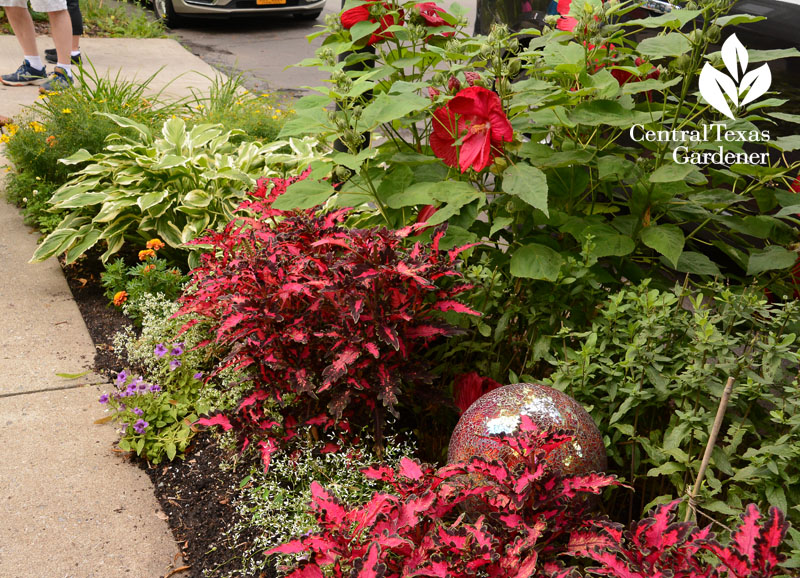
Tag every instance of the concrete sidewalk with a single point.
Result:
(70, 506)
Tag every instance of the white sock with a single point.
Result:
(35, 61)
(67, 68)
(75, 52)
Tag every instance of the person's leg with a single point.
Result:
(32, 69)
(61, 30)
(22, 24)
(75, 16)
(76, 19)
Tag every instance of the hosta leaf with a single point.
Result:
(90, 238)
(54, 244)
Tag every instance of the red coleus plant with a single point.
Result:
(482, 518)
(479, 518)
(336, 317)
(373, 11)
(471, 129)
(658, 546)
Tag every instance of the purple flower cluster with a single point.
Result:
(127, 387)
(140, 426)
(175, 351)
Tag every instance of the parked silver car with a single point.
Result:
(172, 12)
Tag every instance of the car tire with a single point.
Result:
(305, 15)
(166, 13)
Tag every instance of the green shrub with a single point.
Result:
(173, 187)
(651, 370)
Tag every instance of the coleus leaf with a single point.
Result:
(218, 419)
(326, 505)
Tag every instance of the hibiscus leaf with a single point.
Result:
(536, 261)
(387, 108)
(528, 183)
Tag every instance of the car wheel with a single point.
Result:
(166, 13)
(306, 15)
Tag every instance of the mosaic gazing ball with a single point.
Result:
(499, 411)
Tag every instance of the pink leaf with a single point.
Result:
(410, 469)
(328, 507)
(218, 419)
(449, 305)
(293, 547)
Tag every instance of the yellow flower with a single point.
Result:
(146, 254)
(66, 111)
(120, 297)
(278, 111)
(274, 117)
(4, 138)
(36, 126)
(200, 106)
(155, 244)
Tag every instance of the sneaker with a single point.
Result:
(51, 56)
(57, 81)
(25, 74)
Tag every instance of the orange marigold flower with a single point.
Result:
(120, 297)
(148, 268)
(146, 254)
(51, 140)
(155, 244)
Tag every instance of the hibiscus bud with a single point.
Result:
(472, 77)
(341, 173)
(453, 46)
(433, 93)
(500, 164)
(551, 20)
(696, 37)
(691, 5)
(714, 33)
(503, 86)
(683, 63)
(513, 45)
(514, 67)
(486, 50)
(453, 85)
(356, 112)
(326, 55)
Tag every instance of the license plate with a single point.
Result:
(267, 2)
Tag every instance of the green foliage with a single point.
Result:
(129, 19)
(173, 187)
(31, 194)
(150, 276)
(273, 505)
(651, 370)
(156, 419)
(578, 163)
(57, 126)
(259, 116)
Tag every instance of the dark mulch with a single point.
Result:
(195, 493)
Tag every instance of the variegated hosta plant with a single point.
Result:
(173, 186)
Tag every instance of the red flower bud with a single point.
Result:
(471, 77)
(433, 92)
(453, 85)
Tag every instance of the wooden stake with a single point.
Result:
(712, 440)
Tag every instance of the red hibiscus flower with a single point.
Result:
(431, 14)
(361, 13)
(566, 22)
(468, 387)
(474, 119)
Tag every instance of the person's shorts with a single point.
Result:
(38, 5)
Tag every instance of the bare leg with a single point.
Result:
(61, 29)
(22, 25)
(76, 43)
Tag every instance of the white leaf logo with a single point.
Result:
(715, 85)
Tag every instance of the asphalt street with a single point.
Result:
(263, 50)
